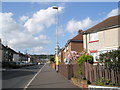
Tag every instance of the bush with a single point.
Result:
(85, 58)
(111, 59)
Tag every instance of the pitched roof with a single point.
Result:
(77, 37)
(109, 22)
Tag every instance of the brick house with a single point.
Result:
(74, 44)
(61, 55)
(103, 37)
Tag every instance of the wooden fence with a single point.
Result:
(91, 72)
(95, 72)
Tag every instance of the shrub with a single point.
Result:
(111, 59)
(73, 55)
(104, 82)
(85, 58)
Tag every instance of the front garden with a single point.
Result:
(82, 70)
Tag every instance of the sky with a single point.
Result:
(31, 26)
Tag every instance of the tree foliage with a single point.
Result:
(52, 59)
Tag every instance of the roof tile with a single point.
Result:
(111, 21)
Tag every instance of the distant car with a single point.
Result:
(42, 63)
(18, 64)
(35, 63)
(5, 64)
(27, 64)
(22, 64)
(15, 64)
(30, 64)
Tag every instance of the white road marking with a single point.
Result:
(33, 78)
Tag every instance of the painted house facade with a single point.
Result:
(7, 54)
(102, 37)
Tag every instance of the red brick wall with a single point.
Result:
(75, 46)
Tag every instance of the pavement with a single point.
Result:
(49, 78)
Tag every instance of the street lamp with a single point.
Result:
(57, 46)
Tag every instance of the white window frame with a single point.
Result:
(94, 36)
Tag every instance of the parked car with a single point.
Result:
(14, 64)
(42, 63)
(5, 64)
(35, 63)
(30, 63)
(23, 64)
(18, 64)
(27, 64)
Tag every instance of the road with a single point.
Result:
(19, 78)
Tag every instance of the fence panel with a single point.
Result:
(92, 73)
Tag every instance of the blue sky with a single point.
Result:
(72, 17)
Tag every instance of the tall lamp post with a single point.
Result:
(57, 46)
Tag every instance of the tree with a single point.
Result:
(52, 59)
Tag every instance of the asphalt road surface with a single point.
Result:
(19, 78)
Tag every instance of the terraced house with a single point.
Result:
(103, 37)
(74, 44)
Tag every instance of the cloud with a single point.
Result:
(61, 31)
(114, 12)
(27, 35)
(24, 18)
(102, 13)
(16, 35)
(41, 19)
(74, 25)
(37, 50)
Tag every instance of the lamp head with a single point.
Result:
(55, 7)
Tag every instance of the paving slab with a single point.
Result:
(49, 78)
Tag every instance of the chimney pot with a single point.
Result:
(79, 31)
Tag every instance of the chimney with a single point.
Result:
(79, 31)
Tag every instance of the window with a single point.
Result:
(93, 36)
